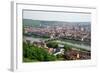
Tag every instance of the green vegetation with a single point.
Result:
(60, 57)
(52, 44)
(76, 41)
(30, 22)
(36, 35)
(40, 36)
(29, 60)
(34, 53)
(67, 47)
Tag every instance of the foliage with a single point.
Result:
(55, 45)
(52, 44)
(32, 23)
(32, 52)
(67, 47)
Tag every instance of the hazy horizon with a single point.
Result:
(57, 16)
(57, 21)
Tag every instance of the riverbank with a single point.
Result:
(71, 43)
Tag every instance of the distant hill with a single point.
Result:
(29, 22)
(38, 23)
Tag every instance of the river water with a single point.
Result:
(86, 47)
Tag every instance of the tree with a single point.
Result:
(67, 47)
(35, 53)
(52, 44)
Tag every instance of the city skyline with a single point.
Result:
(56, 36)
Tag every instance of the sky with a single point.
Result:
(57, 16)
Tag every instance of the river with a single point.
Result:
(86, 47)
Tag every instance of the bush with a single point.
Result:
(35, 53)
(67, 47)
(52, 44)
